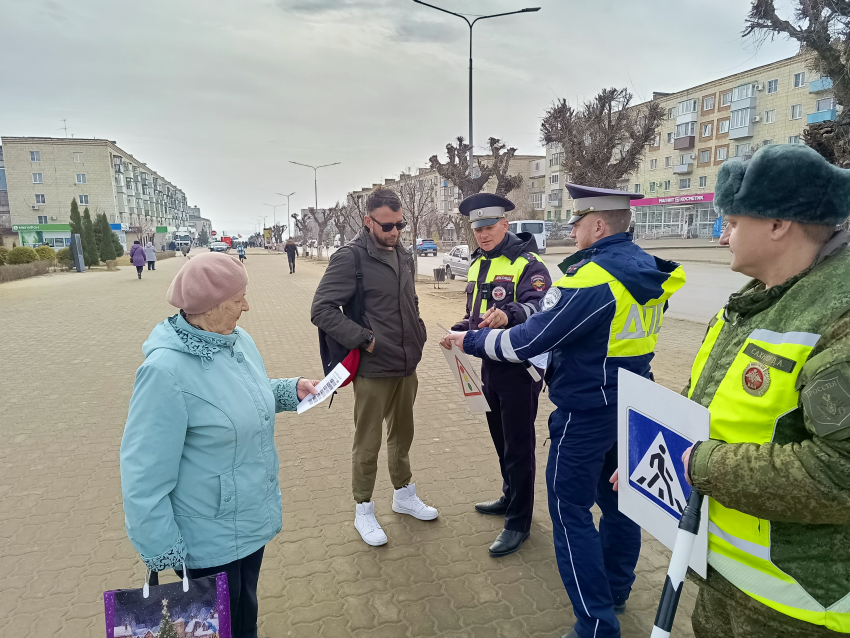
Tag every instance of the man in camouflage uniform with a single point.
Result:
(774, 370)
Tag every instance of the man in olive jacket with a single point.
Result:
(390, 340)
(774, 370)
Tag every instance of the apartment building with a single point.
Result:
(196, 222)
(44, 174)
(704, 126)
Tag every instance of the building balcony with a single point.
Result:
(683, 169)
(821, 116)
(741, 131)
(681, 143)
(823, 84)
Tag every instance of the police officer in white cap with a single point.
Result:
(507, 280)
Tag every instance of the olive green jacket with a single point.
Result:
(801, 480)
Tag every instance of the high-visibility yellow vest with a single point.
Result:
(746, 407)
(635, 327)
(501, 266)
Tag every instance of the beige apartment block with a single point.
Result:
(43, 175)
(705, 126)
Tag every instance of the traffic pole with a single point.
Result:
(678, 569)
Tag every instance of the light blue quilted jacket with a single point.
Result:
(199, 468)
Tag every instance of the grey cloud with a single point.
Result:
(329, 6)
(411, 30)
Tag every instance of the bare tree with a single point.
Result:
(277, 233)
(604, 140)
(500, 164)
(322, 219)
(417, 203)
(822, 27)
(340, 217)
(300, 225)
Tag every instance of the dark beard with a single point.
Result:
(382, 242)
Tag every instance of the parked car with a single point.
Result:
(425, 246)
(457, 261)
(534, 227)
(219, 247)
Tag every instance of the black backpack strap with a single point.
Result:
(358, 295)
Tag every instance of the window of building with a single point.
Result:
(703, 181)
(637, 188)
(796, 111)
(686, 158)
(35, 156)
(767, 142)
(84, 200)
(653, 164)
(687, 106)
(799, 79)
(722, 153)
(668, 162)
(42, 219)
(742, 149)
(667, 185)
(708, 103)
(742, 92)
(39, 199)
(740, 118)
(652, 187)
(686, 129)
(553, 179)
(772, 86)
(770, 116)
(556, 159)
(705, 156)
(81, 178)
(78, 157)
(723, 126)
(826, 104)
(671, 114)
(684, 183)
(557, 215)
(726, 98)
(669, 138)
(706, 130)
(794, 139)
(37, 178)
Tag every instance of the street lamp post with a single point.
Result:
(287, 208)
(315, 183)
(472, 24)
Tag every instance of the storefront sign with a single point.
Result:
(52, 227)
(162, 229)
(678, 199)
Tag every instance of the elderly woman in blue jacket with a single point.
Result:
(199, 468)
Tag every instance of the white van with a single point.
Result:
(533, 226)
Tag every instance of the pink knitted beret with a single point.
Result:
(205, 281)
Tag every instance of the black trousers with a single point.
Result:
(242, 577)
(512, 395)
(291, 263)
(139, 270)
(151, 265)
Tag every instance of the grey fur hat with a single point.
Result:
(784, 181)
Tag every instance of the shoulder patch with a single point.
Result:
(826, 401)
(552, 297)
(530, 256)
(538, 282)
(572, 270)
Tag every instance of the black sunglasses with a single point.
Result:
(388, 227)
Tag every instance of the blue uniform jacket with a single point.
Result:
(593, 322)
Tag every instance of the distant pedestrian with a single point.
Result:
(240, 250)
(184, 250)
(291, 251)
(150, 256)
(137, 257)
(199, 468)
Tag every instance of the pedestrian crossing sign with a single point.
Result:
(654, 426)
(469, 387)
(655, 463)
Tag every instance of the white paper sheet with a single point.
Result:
(654, 426)
(326, 388)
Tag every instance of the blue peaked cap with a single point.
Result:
(485, 209)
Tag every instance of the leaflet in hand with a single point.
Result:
(326, 388)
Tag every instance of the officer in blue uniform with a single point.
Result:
(507, 280)
(603, 314)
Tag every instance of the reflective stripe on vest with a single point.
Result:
(738, 543)
(635, 327)
(501, 266)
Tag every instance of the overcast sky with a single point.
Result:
(218, 96)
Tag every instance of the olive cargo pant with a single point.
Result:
(377, 399)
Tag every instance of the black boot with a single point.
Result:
(495, 508)
(507, 542)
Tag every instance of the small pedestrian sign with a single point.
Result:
(657, 472)
(469, 387)
(654, 427)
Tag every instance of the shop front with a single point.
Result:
(685, 216)
(56, 236)
(121, 231)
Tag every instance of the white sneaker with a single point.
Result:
(366, 523)
(405, 501)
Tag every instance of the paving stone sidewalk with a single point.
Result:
(72, 345)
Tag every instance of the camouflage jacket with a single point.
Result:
(801, 480)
